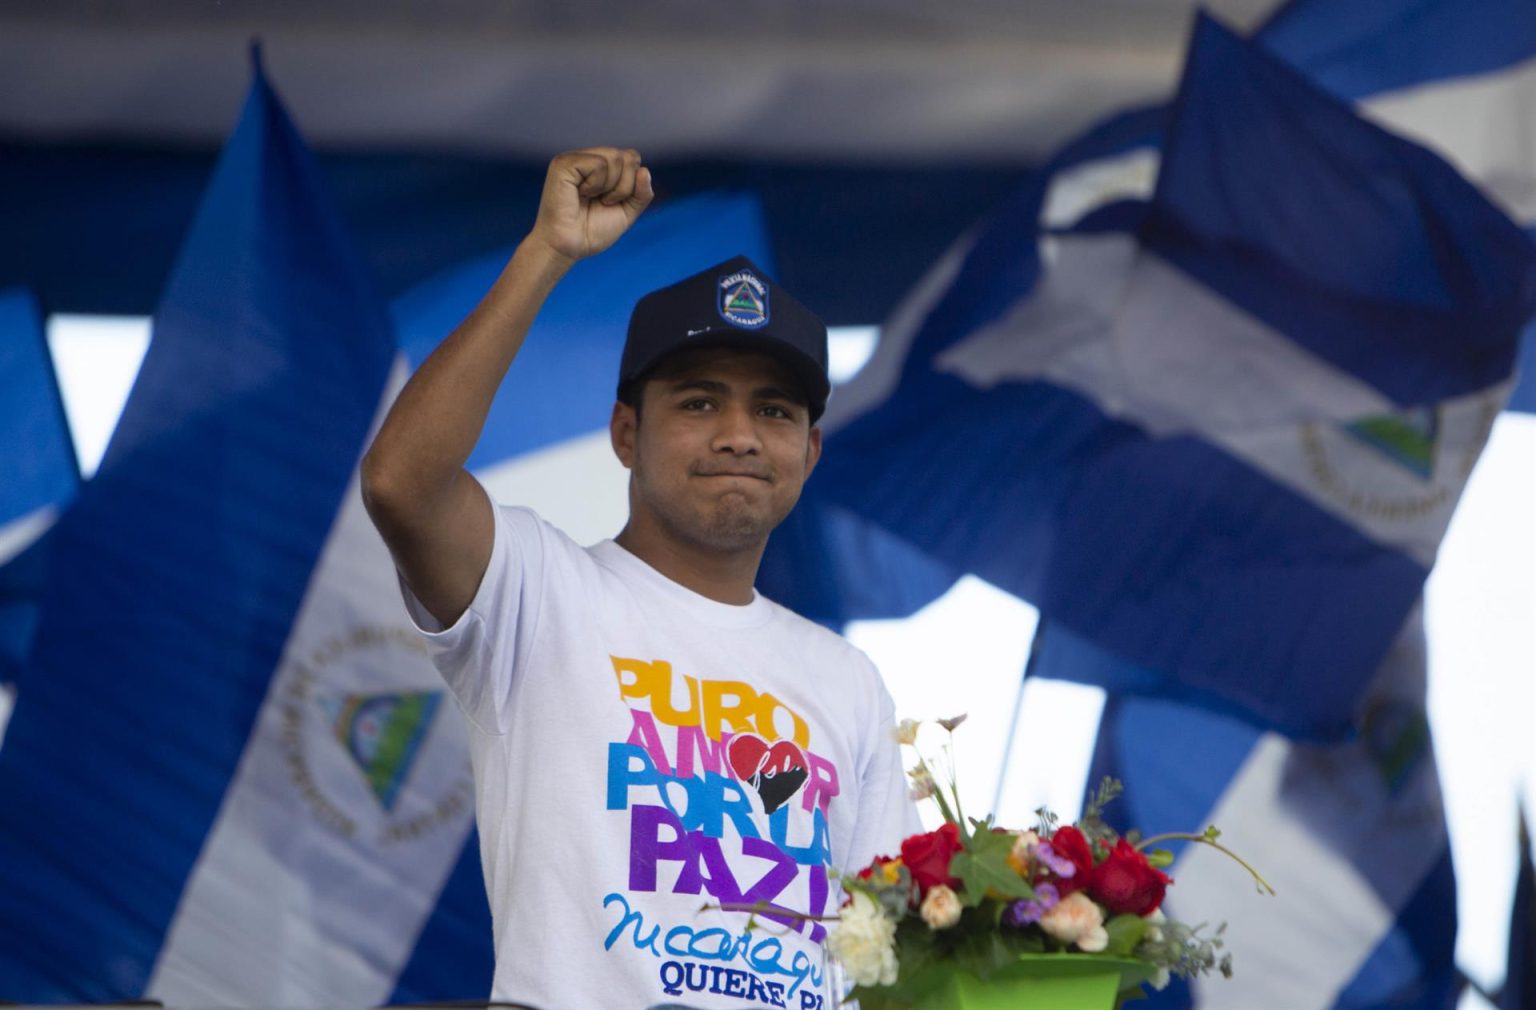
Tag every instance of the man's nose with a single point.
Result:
(737, 431)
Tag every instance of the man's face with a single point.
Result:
(720, 448)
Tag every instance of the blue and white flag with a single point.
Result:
(176, 581)
(269, 801)
(1220, 432)
(1352, 835)
(1458, 76)
(37, 457)
(41, 473)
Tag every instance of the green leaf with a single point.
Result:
(1125, 932)
(1159, 858)
(984, 867)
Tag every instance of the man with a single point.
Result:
(657, 748)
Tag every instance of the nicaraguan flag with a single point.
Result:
(37, 457)
(1458, 76)
(41, 473)
(269, 801)
(176, 582)
(1352, 835)
(1220, 432)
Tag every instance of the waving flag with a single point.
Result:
(1352, 835)
(1225, 429)
(38, 458)
(41, 472)
(175, 582)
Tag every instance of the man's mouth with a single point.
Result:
(732, 473)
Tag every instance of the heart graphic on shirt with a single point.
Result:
(777, 772)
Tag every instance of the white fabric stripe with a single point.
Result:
(1089, 185)
(880, 375)
(1344, 843)
(308, 892)
(19, 534)
(1328, 916)
(1150, 346)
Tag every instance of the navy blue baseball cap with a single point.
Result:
(732, 304)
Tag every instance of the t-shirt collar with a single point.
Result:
(702, 608)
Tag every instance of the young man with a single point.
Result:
(655, 745)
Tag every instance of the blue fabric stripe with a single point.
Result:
(1361, 49)
(1414, 966)
(1175, 760)
(37, 457)
(1519, 990)
(35, 446)
(1369, 251)
(1167, 550)
(178, 571)
(454, 956)
(566, 374)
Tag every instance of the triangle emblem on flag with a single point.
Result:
(1407, 437)
(382, 734)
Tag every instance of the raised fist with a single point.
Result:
(590, 198)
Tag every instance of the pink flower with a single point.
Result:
(1076, 919)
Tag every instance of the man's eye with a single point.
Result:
(779, 412)
(699, 404)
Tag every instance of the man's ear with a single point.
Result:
(621, 433)
(812, 450)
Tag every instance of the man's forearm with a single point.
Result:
(434, 423)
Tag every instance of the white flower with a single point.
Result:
(905, 732)
(1154, 933)
(1159, 979)
(1076, 919)
(941, 908)
(923, 785)
(864, 941)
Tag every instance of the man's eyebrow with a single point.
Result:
(707, 385)
(720, 388)
(777, 393)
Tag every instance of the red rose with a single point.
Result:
(1069, 843)
(927, 857)
(1126, 882)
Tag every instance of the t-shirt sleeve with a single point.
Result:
(480, 654)
(887, 813)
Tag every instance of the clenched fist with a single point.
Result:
(590, 198)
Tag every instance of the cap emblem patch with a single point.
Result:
(744, 300)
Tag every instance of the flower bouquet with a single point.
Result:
(974, 916)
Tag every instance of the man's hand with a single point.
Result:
(590, 198)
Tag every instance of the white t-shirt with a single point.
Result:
(640, 752)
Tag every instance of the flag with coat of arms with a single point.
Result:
(232, 778)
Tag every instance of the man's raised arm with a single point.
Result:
(434, 517)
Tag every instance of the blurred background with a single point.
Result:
(1177, 473)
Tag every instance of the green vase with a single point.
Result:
(1044, 982)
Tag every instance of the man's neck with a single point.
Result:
(722, 577)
